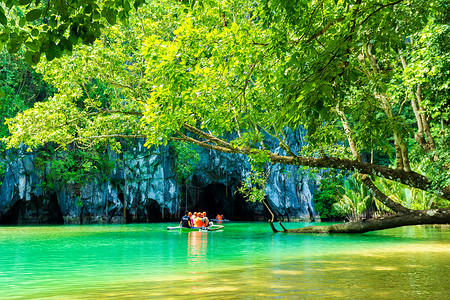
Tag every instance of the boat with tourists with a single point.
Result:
(209, 228)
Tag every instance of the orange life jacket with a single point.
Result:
(198, 222)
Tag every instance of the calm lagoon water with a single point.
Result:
(243, 261)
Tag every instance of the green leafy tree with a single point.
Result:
(53, 27)
(326, 196)
(75, 167)
(196, 73)
(20, 88)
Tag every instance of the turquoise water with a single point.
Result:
(243, 261)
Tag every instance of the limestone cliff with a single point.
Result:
(144, 179)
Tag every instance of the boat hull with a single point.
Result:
(209, 228)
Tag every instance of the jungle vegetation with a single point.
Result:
(360, 76)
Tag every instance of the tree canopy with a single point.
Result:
(359, 76)
(54, 27)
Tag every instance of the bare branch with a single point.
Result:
(325, 29)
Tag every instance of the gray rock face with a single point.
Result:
(144, 179)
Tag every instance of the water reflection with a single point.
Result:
(197, 246)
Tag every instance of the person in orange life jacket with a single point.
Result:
(205, 220)
(198, 221)
(186, 221)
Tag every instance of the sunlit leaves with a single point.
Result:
(243, 71)
(58, 23)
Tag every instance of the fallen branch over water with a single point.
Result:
(420, 217)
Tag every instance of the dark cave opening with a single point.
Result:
(216, 198)
(55, 215)
(38, 210)
(156, 213)
(12, 216)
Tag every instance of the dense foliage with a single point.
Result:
(20, 88)
(74, 167)
(54, 27)
(326, 196)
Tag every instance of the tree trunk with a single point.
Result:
(401, 150)
(430, 216)
(348, 132)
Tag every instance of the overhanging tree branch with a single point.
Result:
(410, 178)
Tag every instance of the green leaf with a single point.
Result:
(28, 57)
(4, 37)
(96, 14)
(53, 52)
(88, 9)
(34, 32)
(33, 45)
(111, 16)
(9, 3)
(52, 22)
(36, 57)
(138, 3)
(2, 93)
(32, 56)
(74, 35)
(14, 44)
(89, 39)
(22, 22)
(312, 128)
(319, 105)
(33, 15)
(123, 17)
(126, 5)
(3, 19)
(65, 44)
(62, 28)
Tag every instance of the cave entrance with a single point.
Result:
(12, 215)
(216, 198)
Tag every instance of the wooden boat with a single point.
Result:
(209, 228)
